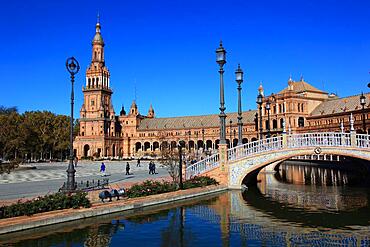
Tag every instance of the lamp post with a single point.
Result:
(203, 139)
(180, 165)
(189, 133)
(268, 118)
(231, 122)
(239, 80)
(234, 131)
(363, 102)
(221, 60)
(259, 102)
(73, 67)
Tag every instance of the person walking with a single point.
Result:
(102, 169)
(127, 169)
(76, 161)
(138, 162)
(153, 168)
(150, 168)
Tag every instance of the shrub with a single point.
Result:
(45, 204)
(150, 187)
(200, 181)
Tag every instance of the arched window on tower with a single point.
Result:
(301, 107)
(274, 124)
(93, 82)
(88, 82)
(300, 122)
(97, 81)
(95, 55)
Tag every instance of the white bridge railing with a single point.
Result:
(328, 139)
(202, 166)
(323, 139)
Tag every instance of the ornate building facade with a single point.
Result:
(299, 107)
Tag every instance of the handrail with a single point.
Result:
(322, 139)
(202, 166)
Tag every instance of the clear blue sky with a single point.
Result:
(168, 48)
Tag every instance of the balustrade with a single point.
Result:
(324, 139)
(202, 166)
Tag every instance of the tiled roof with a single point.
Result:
(193, 121)
(346, 104)
(301, 86)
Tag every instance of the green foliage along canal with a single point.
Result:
(287, 209)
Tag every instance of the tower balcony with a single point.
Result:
(96, 88)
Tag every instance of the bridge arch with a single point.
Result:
(249, 158)
(245, 170)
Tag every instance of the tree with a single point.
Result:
(169, 158)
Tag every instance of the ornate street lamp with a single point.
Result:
(259, 102)
(268, 107)
(203, 139)
(221, 60)
(239, 80)
(73, 67)
(189, 133)
(363, 103)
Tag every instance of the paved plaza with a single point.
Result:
(48, 177)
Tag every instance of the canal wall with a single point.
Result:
(55, 217)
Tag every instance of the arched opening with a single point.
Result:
(300, 122)
(173, 144)
(191, 144)
(200, 144)
(216, 143)
(244, 140)
(164, 145)
(235, 142)
(182, 143)
(113, 150)
(228, 143)
(137, 146)
(86, 150)
(281, 122)
(155, 146)
(254, 139)
(106, 152)
(274, 124)
(98, 153)
(146, 146)
(208, 144)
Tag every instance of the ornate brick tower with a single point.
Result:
(97, 116)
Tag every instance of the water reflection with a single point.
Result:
(295, 172)
(276, 213)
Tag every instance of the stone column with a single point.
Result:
(353, 132)
(183, 170)
(224, 168)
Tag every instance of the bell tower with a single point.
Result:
(97, 116)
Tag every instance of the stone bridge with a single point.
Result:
(234, 166)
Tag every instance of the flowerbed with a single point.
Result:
(45, 204)
(150, 187)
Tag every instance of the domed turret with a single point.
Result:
(151, 112)
(290, 83)
(260, 89)
(133, 108)
(122, 112)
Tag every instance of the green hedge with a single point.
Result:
(45, 204)
(150, 187)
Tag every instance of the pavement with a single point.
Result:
(44, 178)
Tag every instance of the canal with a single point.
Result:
(298, 205)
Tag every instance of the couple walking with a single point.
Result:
(152, 168)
